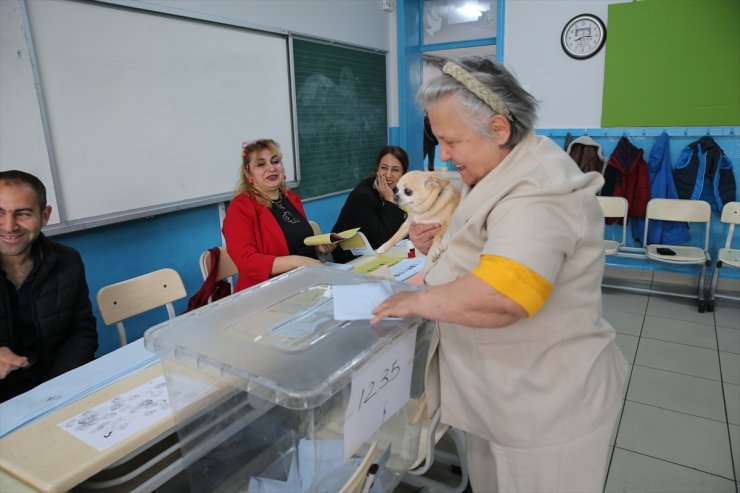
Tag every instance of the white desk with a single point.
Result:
(46, 458)
(43, 457)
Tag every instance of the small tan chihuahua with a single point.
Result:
(427, 198)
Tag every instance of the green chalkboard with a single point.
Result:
(672, 63)
(340, 114)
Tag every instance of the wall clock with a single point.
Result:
(583, 36)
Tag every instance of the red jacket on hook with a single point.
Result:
(626, 175)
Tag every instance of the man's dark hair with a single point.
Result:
(16, 177)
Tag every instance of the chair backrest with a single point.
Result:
(731, 213)
(125, 299)
(615, 207)
(225, 269)
(731, 216)
(681, 210)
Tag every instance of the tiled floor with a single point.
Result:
(680, 426)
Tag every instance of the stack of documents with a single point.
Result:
(74, 385)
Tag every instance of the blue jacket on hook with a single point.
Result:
(662, 186)
(700, 159)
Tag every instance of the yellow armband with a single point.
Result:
(515, 281)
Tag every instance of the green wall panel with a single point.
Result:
(672, 63)
(341, 115)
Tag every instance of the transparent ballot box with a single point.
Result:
(271, 393)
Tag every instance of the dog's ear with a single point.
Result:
(436, 181)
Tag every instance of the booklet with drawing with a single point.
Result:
(330, 238)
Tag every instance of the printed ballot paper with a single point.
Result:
(330, 238)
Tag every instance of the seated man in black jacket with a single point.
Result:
(46, 321)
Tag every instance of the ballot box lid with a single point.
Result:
(279, 339)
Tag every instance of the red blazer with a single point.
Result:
(254, 238)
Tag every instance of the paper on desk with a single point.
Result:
(125, 415)
(357, 301)
(407, 268)
(375, 263)
(74, 385)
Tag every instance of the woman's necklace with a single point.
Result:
(279, 202)
(287, 216)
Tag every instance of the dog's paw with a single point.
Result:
(434, 253)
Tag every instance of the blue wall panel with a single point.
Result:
(124, 250)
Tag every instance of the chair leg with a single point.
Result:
(429, 485)
(121, 334)
(713, 286)
(700, 294)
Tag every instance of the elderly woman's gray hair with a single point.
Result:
(484, 88)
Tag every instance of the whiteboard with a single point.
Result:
(146, 109)
(22, 142)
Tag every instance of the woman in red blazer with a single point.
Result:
(265, 223)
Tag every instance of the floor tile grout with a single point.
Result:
(674, 463)
(680, 412)
(681, 373)
(733, 459)
(711, 322)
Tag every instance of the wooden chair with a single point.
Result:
(315, 227)
(125, 299)
(226, 268)
(616, 208)
(726, 256)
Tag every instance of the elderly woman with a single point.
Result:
(265, 223)
(371, 206)
(522, 360)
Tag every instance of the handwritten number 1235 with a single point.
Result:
(372, 389)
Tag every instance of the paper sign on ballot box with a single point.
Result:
(379, 390)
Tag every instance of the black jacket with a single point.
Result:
(62, 312)
(366, 209)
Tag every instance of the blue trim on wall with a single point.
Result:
(500, 22)
(459, 44)
(728, 138)
(176, 240)
(394, 136)
(633, 132)
(411, 118)
(124, 250)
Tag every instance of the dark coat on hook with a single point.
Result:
(700, 159)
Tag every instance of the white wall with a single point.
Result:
(355, 22)
(570, 91)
